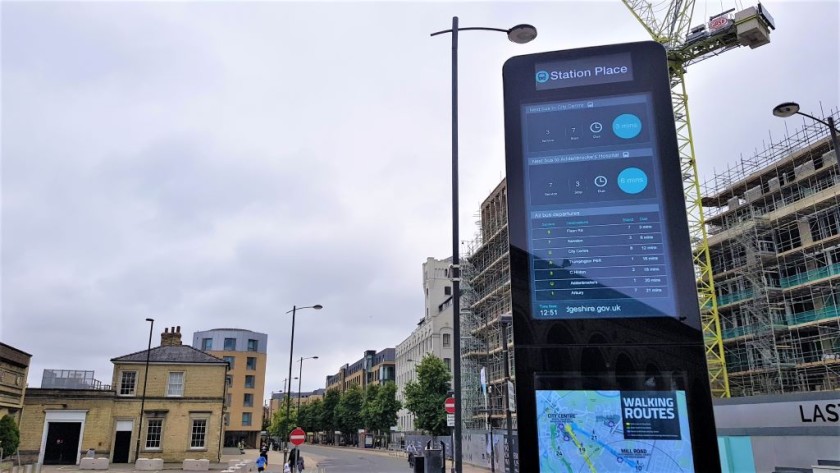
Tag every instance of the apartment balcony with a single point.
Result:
(810, 276)
(734, 298)
(829, 312)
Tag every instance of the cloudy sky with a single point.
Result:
(213, 164)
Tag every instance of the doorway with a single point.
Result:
(62, 447)
(122, 446)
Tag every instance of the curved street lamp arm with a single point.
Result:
(831, 126)
(483, 28)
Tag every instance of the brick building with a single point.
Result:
(183, 410)
(14, 368)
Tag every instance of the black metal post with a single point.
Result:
(834, 141)
(508, 416)
(456, 267)
(289, 391)
(143, 397)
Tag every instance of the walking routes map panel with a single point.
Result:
(620, 431)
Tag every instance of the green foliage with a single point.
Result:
(309, 416)
(381, 406)
(328, 418)
(280, 426)
(425, 396)
(348, 413)
(9, 435)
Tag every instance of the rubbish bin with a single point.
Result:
(418, 464)
(434, 460)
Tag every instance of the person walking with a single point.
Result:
(262, 462)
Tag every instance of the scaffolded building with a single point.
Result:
(485, 297)
(774, 240)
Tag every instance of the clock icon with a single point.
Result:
(600, 181)
(596, 127)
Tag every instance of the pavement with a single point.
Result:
(275, 462)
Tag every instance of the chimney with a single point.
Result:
(169, 339)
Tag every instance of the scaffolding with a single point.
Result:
(773, 223)
(486, 296)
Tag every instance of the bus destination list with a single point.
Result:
(596, 232)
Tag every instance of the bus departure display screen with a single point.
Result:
(597, 235)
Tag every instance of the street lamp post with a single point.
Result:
(143, 397)
(507, 319)
(789, 109)
(519, 34)
(300, 377)
(289, 391)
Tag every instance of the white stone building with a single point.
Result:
(432, 335)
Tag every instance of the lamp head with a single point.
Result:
(786, 109)
(521, 34)
(317, 307)
(149, 319)
(315, 357)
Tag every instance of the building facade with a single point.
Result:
(485, 298)
(245, 352)
(180, 399)
(14, 369)
(373, 368)
(774, 240)
(432, 334)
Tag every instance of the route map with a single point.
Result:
(613, 431)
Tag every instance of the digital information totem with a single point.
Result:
(610, 367)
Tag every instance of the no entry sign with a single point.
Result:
(449, 405)
(297, 436)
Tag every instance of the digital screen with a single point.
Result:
(596, 229)
(613, 431)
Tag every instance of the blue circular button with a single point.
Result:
(542, 77)
(627, 126)
(632, 180)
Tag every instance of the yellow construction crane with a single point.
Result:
(668, 22)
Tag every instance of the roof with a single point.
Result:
(170, 354)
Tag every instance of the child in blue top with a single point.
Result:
(261, 463)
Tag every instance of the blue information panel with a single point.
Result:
(596, 225)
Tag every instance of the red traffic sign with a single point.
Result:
(297, 436)
(449, 405)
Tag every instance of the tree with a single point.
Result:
(381, 408)
(9, 435)
(280, 426)
(348, 413)
(328, 419)
(369, 407)
(309, 416)
(425, 396)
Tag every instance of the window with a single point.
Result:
(447, 290)
(246, 419)
(154, 427)
(447, 340)
(230, 344)
(230, 361)
(448, 363)
(252, 363)
(128, 382)
(199, 431)
(227, 399)
(249, 381)
(175, 387)
(248, 401)
(227, 419)
(228, 381)
(206, 344)
(253, 344)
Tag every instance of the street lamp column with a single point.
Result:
(300, 377)
(288, 392)
(143, 397)
(519, 34)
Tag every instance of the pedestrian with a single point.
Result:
(241, 446)
(261, 463)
